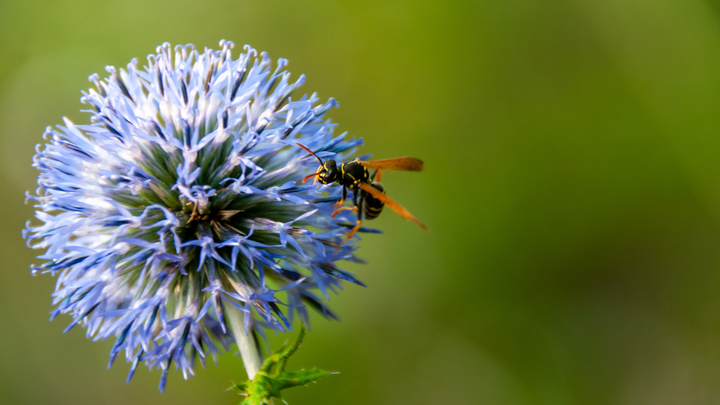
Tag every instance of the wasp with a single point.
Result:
(368, 195)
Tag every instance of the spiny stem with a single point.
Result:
(245, 341)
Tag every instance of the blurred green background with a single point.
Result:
(572, 190)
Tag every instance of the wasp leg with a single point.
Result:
(317, 175)
(339, 203)
(352, 231)
(378, 174)
(337, 211)
(359, 208)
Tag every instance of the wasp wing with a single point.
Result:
(391, 203)
(402, 163)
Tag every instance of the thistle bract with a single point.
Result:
(181, 198)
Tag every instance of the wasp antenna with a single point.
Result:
(311, 152)
(307, 177)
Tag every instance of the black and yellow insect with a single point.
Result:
(373, 206)
(367, 192)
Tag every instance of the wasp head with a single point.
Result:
(328, 172)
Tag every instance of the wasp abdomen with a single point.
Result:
(373, 206)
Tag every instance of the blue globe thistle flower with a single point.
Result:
(181, 200)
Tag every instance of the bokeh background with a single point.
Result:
(572, 190)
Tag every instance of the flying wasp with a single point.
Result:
(368, 195)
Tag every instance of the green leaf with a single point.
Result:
(293, 379)
(271, 379)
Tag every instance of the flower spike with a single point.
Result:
(180, 200)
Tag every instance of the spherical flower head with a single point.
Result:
(182, 198)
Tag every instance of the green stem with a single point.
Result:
(245, 341)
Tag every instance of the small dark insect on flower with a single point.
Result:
(182, 198)
(355, 176)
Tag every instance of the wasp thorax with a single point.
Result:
(328, 172)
